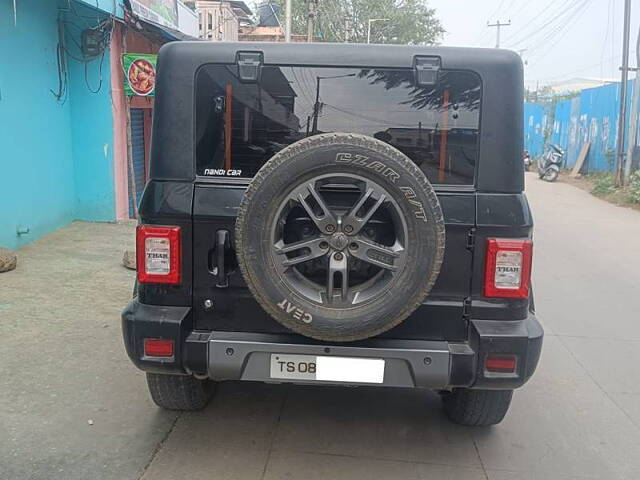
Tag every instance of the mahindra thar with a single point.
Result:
(336, 214)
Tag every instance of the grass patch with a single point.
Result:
(634, 187)
(603, 185)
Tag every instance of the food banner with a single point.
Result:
(163, 12)
(139, 74)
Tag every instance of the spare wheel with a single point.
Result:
(340, 237)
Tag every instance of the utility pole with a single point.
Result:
(316, 107)
(622, 118)
(346, 29)
(311, 15)
(317, 104)
(498, 26)
(287, 20)
(371, 20)
(633, 120)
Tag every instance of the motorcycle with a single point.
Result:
(550, 163)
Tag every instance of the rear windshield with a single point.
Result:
(239, 126)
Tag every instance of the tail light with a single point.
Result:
(158, 254)
(158, 347)
(500, 363)
(507, 268)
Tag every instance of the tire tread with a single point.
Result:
(365, 141)
(178, 392)
(477, 407)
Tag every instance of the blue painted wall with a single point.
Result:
(55, 156)
(37, 188)
(592, 116)
(534, 125)
(91, 123)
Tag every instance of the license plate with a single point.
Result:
(328, 369)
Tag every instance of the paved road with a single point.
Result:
(62, 364)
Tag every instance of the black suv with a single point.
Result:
(336, 214)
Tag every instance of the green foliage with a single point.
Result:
(604, 184)
(634, 187)
(409, 21)
(545, 94)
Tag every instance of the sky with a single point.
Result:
(558, 39)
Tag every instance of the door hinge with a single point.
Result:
(466, 308)
(471, 239)
(426, 70)
(249, 66)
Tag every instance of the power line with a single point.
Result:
(561, 31)
(302, 88)
(508, 9)
(531, 26)
(568, 18)
(494, 13)
(374, 120)
(613, 32)
(578, 70)
(606, 36)
(551, 21)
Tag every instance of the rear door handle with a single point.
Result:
(220, 270)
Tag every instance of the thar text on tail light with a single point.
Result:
(508, 268)
(158, 254)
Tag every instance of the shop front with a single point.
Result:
(134, 51)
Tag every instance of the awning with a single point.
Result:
(140, 24)
(166, 32)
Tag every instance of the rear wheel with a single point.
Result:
(179, 392)
(477, 407)
(551, 175)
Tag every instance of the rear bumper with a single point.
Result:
(437, 365)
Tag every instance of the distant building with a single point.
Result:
(577, 84)
(266, 34)
(221, 20)
(269, 27)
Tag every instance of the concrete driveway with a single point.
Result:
(73, 407)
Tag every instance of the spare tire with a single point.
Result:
(340, 237)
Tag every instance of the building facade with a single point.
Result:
(220, 21)
(70, 133)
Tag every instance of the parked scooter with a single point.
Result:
(527, 161)
(550, 163)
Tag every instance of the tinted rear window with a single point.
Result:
(239, 126)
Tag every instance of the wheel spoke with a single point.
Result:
(309, 249)
(325, 222)
(376, 254)
(338, 266)
(326, 203)
(352, 223)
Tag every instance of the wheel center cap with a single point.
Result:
(338, 241)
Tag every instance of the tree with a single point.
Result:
(465, 89)
(409, 21)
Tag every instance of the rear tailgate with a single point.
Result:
(232, 308)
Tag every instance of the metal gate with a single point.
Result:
(137, 157)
